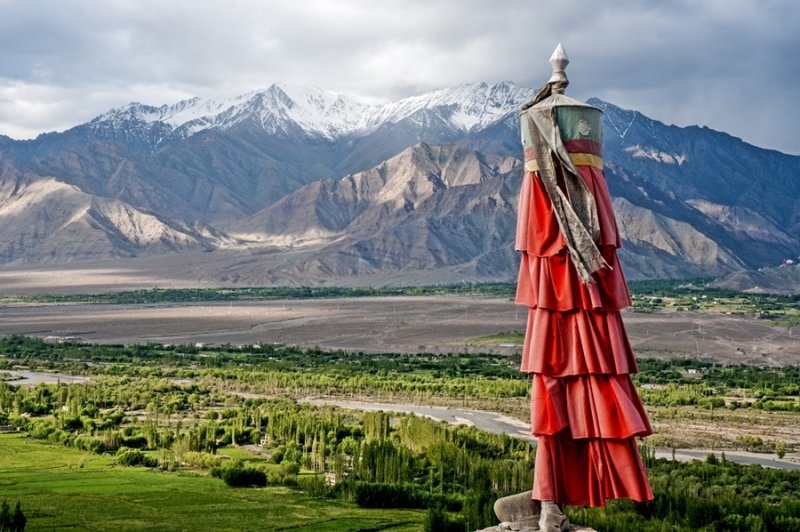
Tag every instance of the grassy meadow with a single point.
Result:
(61, 487)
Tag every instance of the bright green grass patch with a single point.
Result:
(238, 453)
(60, 487)
(516, 338)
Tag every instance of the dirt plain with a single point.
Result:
(384, 324)
(388, 324)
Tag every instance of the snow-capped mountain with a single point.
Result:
(316, 111)
(422, 188)
(281, 109)
(468, 107)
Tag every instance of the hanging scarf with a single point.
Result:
(574, 206)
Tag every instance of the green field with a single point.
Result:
(61, 487)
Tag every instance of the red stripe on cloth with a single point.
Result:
(584, 146)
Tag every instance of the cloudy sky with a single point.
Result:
(733, 65)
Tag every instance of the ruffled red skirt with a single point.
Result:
(585, 411)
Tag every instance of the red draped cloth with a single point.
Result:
(585, 411)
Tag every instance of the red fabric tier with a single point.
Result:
(584, 408)
(547, 277)
(538, 232)
(577, 342)
(553, 283)
(588, 472)
(590, 406)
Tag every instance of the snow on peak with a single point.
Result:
(655, 154)
(282, 108)
(467, 106)
(319, 111)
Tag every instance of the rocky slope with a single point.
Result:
(783, 279)
(45, 220)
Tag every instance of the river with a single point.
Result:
(32, 378)
(499, 424)
(488, 421)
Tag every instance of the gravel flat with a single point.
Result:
(389, 324)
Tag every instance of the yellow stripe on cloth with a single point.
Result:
(580, 159)
(587, 159)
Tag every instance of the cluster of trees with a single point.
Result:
(712, 385)
(480, 379)
(381, 460)
(365, 458)
(12, 521)
(157, 407)
(188, 295)
(149, 359)
(650, 296)
(241, 476)
(285, 370)
(110, 413)
(711, 495)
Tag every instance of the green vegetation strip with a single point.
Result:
(187, 295)
(698, 296)
(163, 434)
(482, 378)
(648, 296)
(514, 338)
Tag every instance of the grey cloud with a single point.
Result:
(726, 64)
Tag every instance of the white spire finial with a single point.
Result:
(559, 61)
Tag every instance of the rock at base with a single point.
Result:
(520, 513)
(528, 524)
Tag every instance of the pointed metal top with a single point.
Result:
(559, 60)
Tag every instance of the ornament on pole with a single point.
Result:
(559, 60)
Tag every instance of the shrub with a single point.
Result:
(290, 469)
(134, 442)
(313, 485)
(114, 419)
(198, 459)
(72, 423)
(436, 520)
(379, 495)
(239, 477)
(134, 457)
(87, 443)
(40, 429)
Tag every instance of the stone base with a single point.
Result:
(529, 524)
(520, 513)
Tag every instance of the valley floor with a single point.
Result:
(402, 324)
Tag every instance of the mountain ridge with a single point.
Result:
(424, 186)
(317, 112)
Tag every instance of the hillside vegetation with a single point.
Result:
(204, 421)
